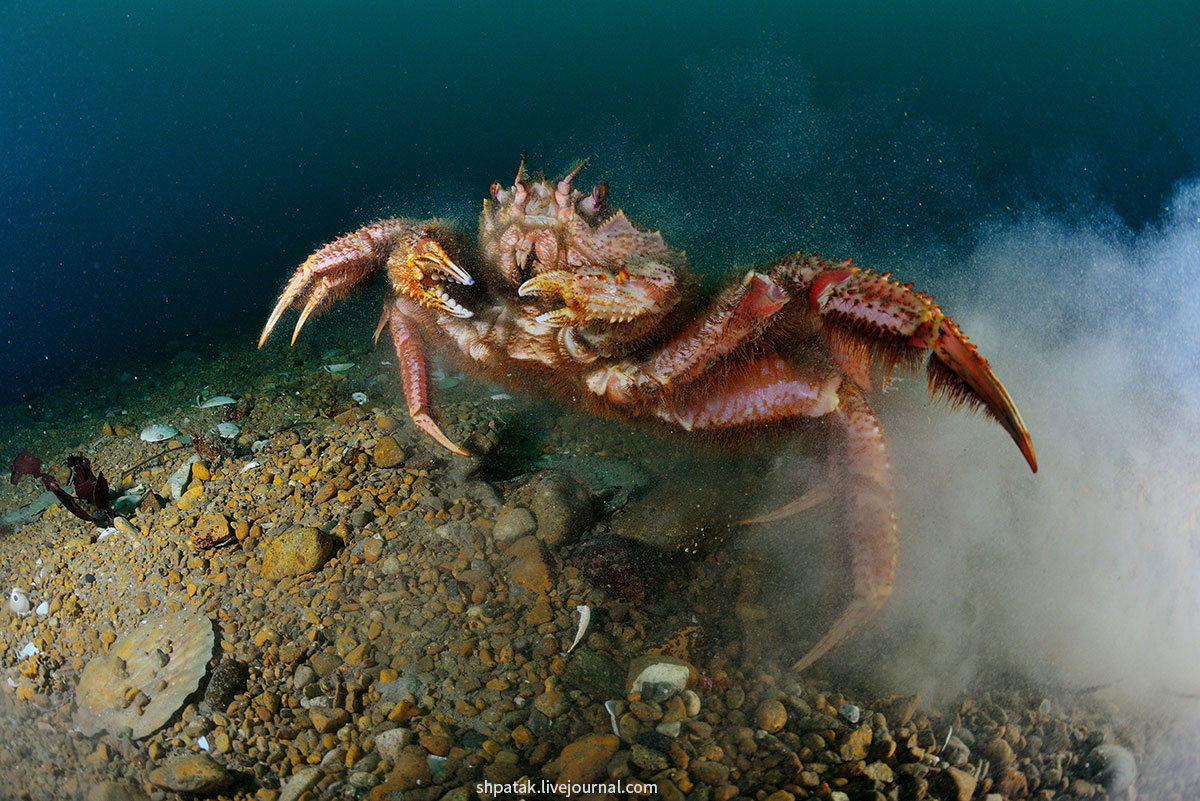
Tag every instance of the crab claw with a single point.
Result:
(873, 319)
(636, 290)
(417, 269)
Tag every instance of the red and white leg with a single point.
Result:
(414, 373)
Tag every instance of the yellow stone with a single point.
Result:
(188, 499)
(200, 471)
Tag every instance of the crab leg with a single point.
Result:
(347, 263)
(768, 389)
(873, 318)
(415, 375)
(874, 532)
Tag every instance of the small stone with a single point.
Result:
(227, 680)
(372, 549)
(300, 783)
(593, 673)
(958, 784)
(116, 791)
(387, 453)
(513, 523)
(299, 550)
(880, 772)
(562, 506)
(772, 716)
(387, 424)
(585, 759)
(192, 773)
(551, 703)
(1011, 783)
(391, 743)
(782, 795)
(327, 721)
(999, 752)
(529, 568)
(708, 772)
(856, 744)
(667, 673)
(649, 758)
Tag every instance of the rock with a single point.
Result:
(529, 568)
(711, 773)
(227, 680)
(956, 752)
(668, 675)
(562, 505)
(585, 759)
(299, 550)
(192, 773)
(854, 747)
(1011, 783)
(388, 452)
(771, 716)
(513, 523)
(300, 783)
(999, 752)
(116, 791)
(391, 743)
(648, 758)
(593, 673)
(695, 522)
(328, 721)
(958, 784)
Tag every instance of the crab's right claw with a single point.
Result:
(418, 269)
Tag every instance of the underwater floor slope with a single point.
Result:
(415, 639)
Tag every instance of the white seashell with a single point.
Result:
(157, 432)
(18, 602)
(248, 466)
(203, 743)
(611, 707)
(214, 401)
(340, 367)
(43, 608)
(29, 650)
(359, 397)
(585, 617)
(228, 430)
(502, 396)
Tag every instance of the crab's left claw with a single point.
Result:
(637, 290)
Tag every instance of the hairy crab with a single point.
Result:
(559, 292)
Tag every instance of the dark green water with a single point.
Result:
(165, 166)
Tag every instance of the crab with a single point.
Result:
(560, 293)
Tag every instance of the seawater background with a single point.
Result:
(165, 169)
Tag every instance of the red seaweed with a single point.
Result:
(89, 486)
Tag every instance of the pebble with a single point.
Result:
(299, 550)
(529, 568)
(854, 747)
(192, 773)
(388, 453)
(959, 785)
(300, 783)
(562, 506)
(391, 743)
(584, 760)
(513, 523)
(771, 716)
(227, 680)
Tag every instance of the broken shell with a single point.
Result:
(359, 397)
(214, 401)
(585, 617)
(43, 608)
(18, 602)
(340, 367)
(133, 663)
(228, 430)
(157, 432)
